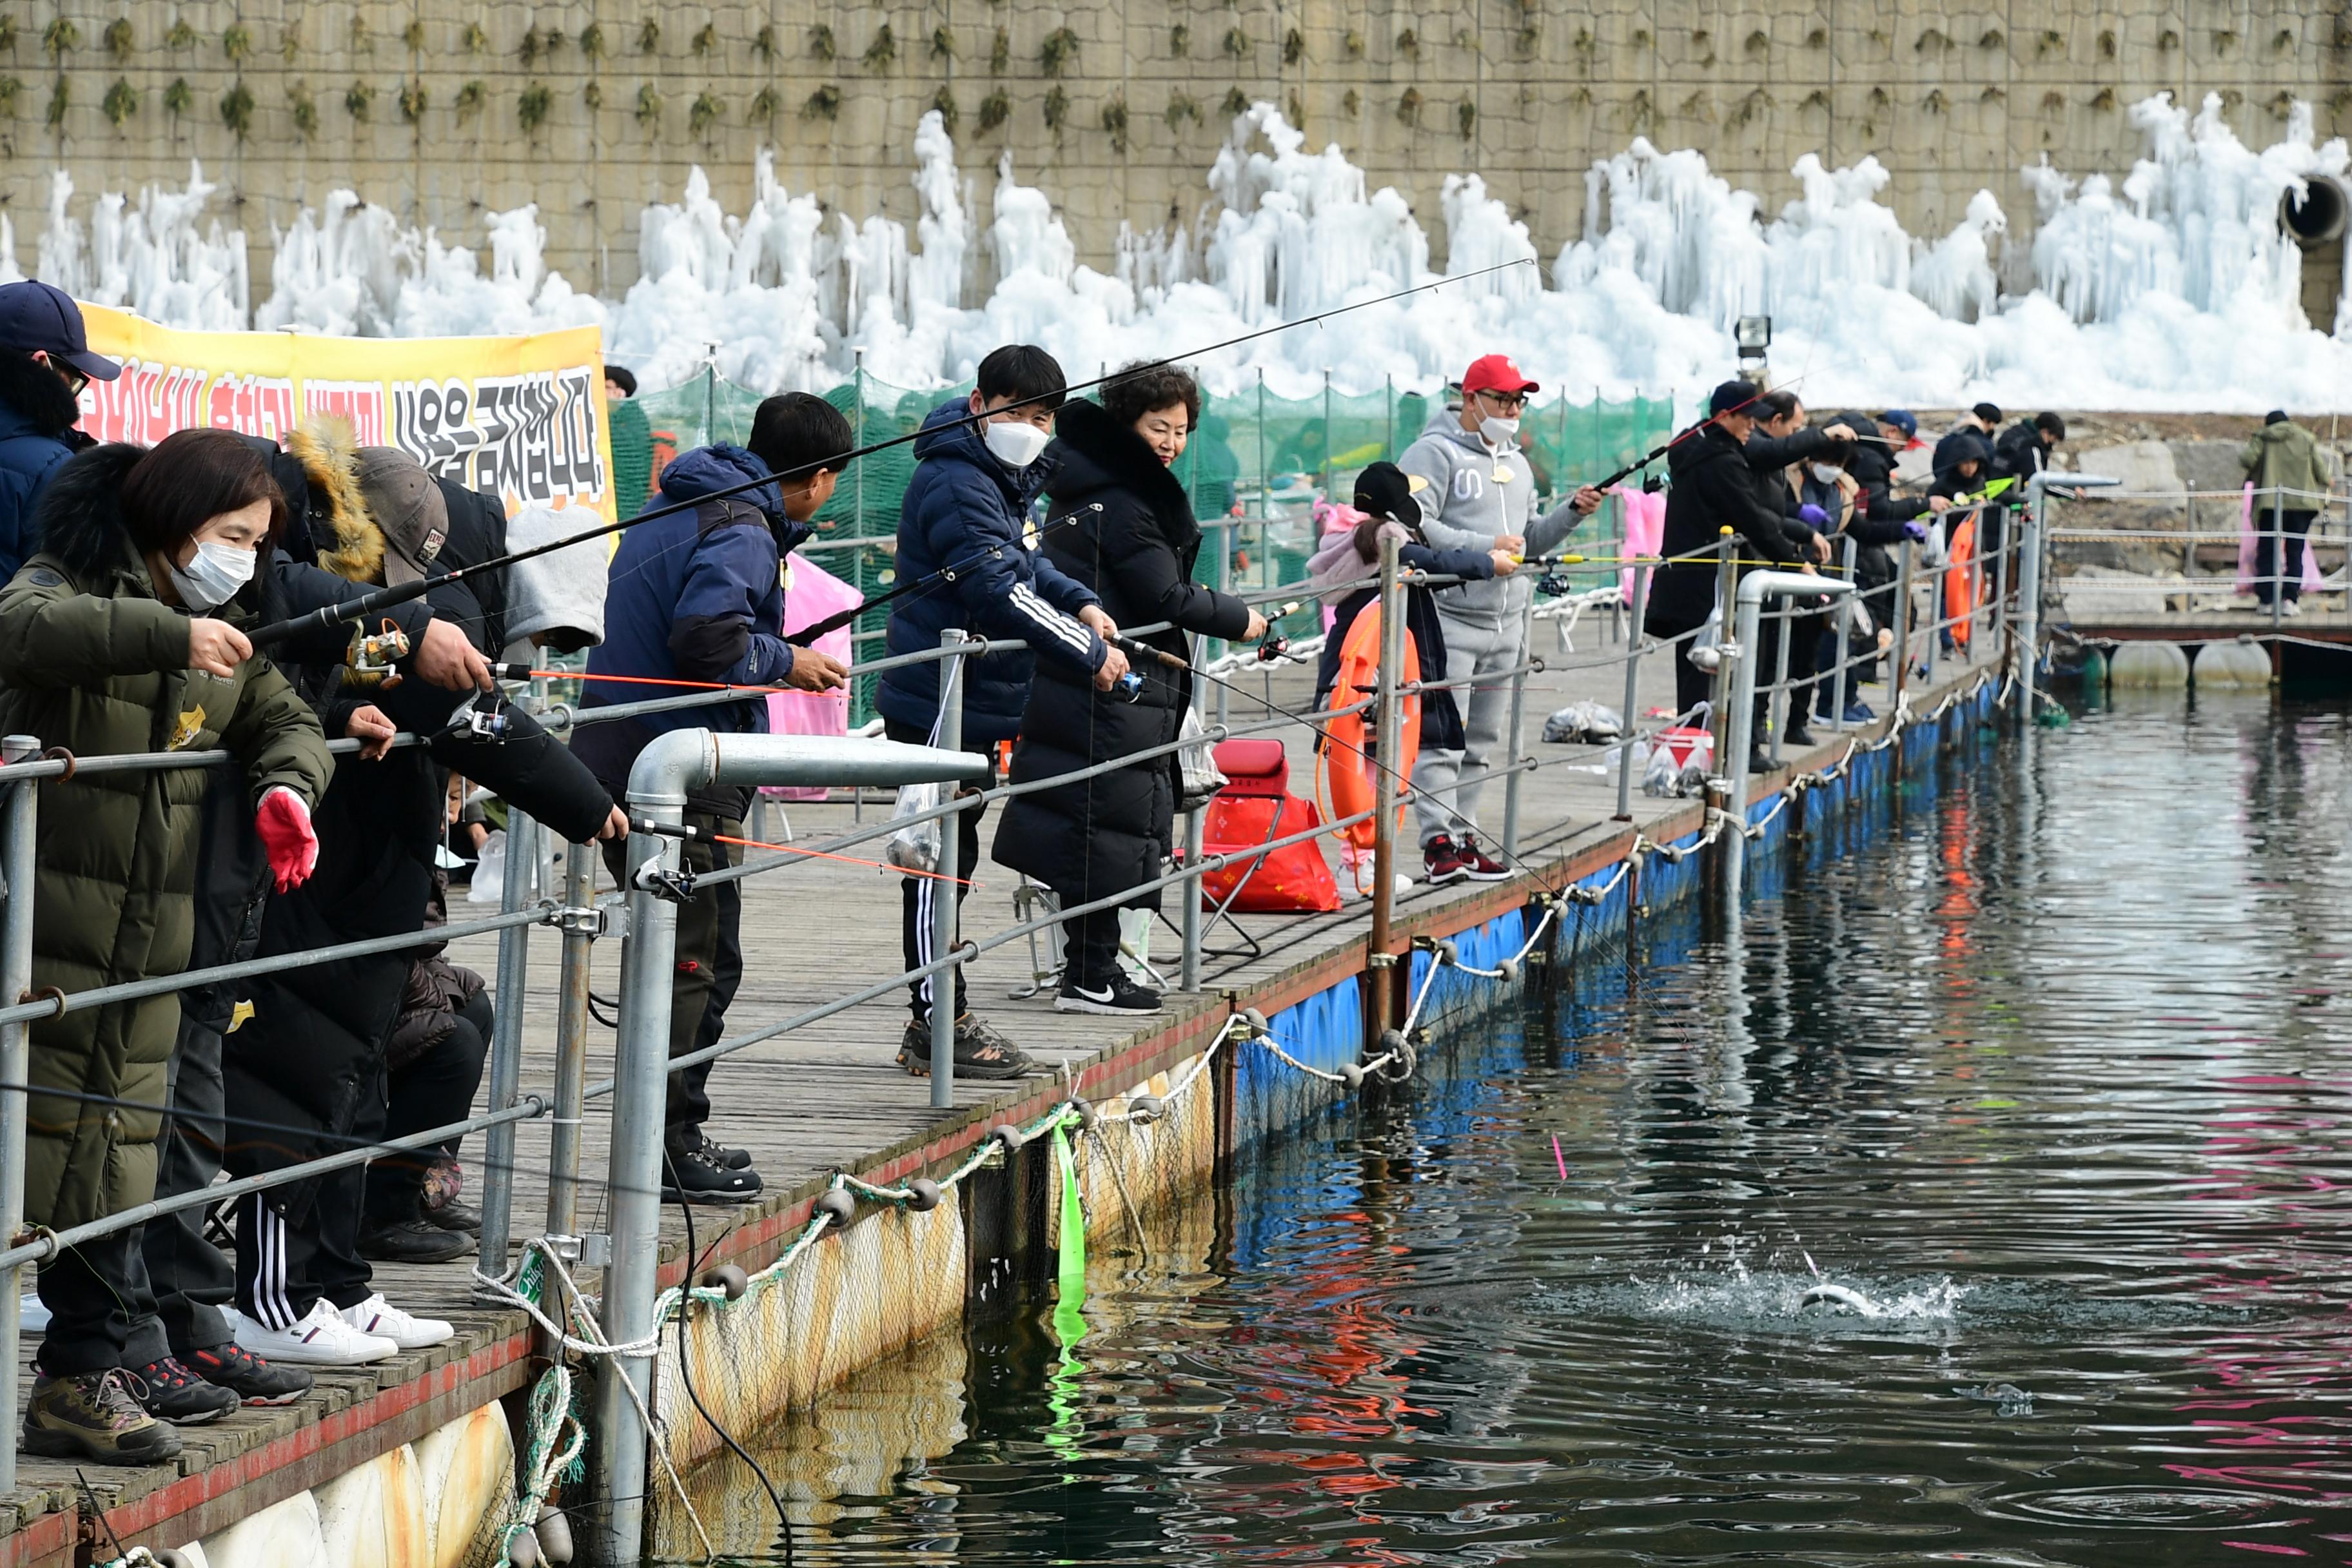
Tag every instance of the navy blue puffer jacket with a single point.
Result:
(964, 511)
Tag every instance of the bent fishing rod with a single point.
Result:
(330, 615)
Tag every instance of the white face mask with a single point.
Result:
(1016, 442)
(1498, 432)
(213, 575)
(1827, 472)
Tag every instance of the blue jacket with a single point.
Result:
(36, 434)
(698, 596)
(964, 511)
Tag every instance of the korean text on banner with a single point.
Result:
(519, 418)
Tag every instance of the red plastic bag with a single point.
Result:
(1292, 879)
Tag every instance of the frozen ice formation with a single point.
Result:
(2174, 288)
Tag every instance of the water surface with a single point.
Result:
(2052, 1076)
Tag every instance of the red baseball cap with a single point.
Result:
(1496, 372)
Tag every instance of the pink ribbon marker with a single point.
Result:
(1558, 1158)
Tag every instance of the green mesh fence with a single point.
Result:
(1256, 464)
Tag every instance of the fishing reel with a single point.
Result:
(1554, 584)
(1129, 687)
(1275, 645)
(670, 886)
(485, 719)
(369, 661)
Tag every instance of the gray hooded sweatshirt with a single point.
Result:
(1476, 495)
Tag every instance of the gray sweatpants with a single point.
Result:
(1446, 784)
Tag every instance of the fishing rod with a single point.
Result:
(330, 615)
(689, 833)
(945, 574)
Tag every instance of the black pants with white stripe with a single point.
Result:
(919, 894)
(283, 1268)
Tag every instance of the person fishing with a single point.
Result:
(1479, 496)
(965, 514)
(1387, 505)
(698, 596)
(125, 633)
(1092, 838)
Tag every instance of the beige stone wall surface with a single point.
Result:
(444, 110)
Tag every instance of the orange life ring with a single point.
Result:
(1959, 580)
(1346, 773)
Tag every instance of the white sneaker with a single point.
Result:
(321, 1339)
(381, 1319)
(2292, 608)
(1367, 879)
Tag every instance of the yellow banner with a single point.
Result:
(522, 418)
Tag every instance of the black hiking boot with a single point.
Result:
(413, 1240)
(720, 1153)
(692, 1176)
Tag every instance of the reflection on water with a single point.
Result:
(2051, 1082)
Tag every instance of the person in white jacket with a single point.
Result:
(1480, 495)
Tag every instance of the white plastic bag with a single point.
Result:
(915, 847)
(490, 883)
(1197, 763)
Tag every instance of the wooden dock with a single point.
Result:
(828, 1097)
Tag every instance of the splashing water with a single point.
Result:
(2174, 288)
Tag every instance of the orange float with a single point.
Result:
(1345, 775)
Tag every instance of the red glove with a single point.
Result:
(284, 823)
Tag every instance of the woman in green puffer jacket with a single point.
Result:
(121, 635)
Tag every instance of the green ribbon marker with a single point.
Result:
(1064, 1395)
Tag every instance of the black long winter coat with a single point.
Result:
(1101, 835)
(312, 1054)
(1714, 488)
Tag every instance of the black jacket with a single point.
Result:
(312, 1054)
(1953, 451)
(1714, 488)
(2021, 453)
(1103, 835)
(37, 416)
(963, 514)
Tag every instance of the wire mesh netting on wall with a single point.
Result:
(1257, 461)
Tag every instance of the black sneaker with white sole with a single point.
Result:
(695, 1176)
(1118, 995)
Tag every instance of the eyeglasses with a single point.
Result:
(1509, 402)
(75, 381)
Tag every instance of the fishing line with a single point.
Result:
(691, 834)
(330, 616)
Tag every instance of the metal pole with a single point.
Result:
(1190, 976)
(1633, 692)
(506, 1040)
(946, 982)
(1328, 470)
(1777, 699)
(1741, 724)
(710, 394)
(1845, 635)
(1518, 730)
(2278, 558)
(1902, 677)
(2006, 654)
(16, 1066)
(1720, 687)
(641, 1069)
(571, 1044)
(2029, 593)
(1388, 739)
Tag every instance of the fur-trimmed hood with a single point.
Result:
(81, 518)
(349, 543)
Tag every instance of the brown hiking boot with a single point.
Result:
(95, 1415)
(981, 1052)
